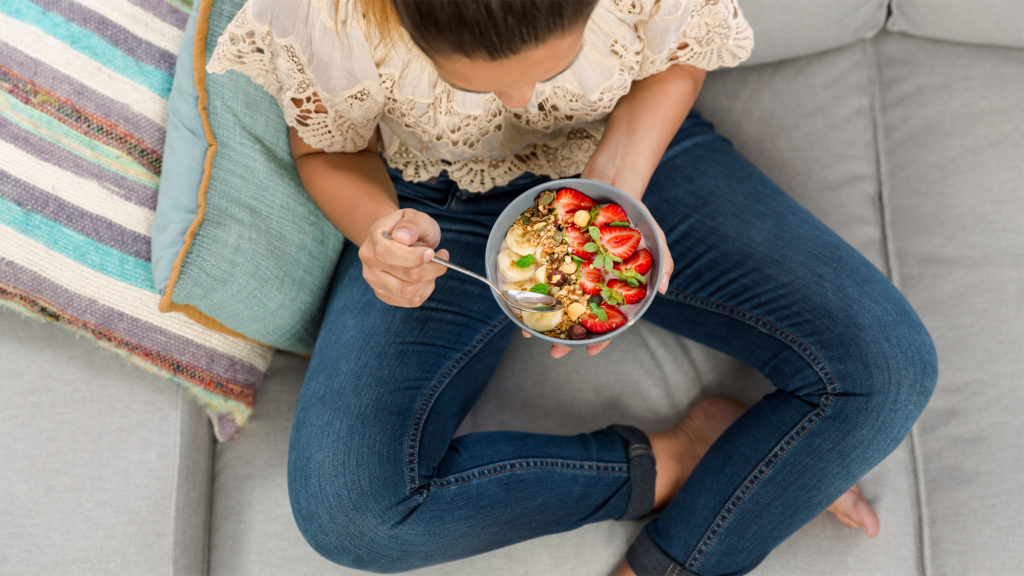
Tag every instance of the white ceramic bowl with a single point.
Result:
(602, 193)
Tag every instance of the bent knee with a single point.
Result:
(351, 522)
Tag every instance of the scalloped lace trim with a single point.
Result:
(716, 36)
(341, 124)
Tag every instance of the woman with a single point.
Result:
(422, 119)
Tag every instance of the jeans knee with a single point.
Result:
(354, 527)
(895, 370)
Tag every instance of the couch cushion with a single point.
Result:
(955, 164)
(808, 123)
(104, 468)
(995, 22)
(792, 28)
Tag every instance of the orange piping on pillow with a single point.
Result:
(199, 69)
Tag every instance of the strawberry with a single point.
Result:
(610, 213)
(616, 319)
(569, 201)
(630, 294)
(640, 262)
(620, 242)
(577, 240)
(591, 280)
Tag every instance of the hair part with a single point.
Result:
(487, 29)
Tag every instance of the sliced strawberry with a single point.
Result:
(591, 279)
(610, 213)
(569, 201)
(630, 294)
(640, 262)
(621, 242)
(616, 319)
(577, 240)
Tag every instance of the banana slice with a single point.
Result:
(542, 321)
(516, 240)
(507, 266)
(541, 275)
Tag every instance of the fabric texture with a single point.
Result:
(106, 469)
(993, 22)
(293, 48)
(83, 108)
(955, 194)
(238, 243)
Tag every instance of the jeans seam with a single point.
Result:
(764, 324)
(508, 466)
(427, 402)
(768, 463)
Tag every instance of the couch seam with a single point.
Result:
(173, 564)
(892, 265)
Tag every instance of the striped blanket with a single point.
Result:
(83, 109)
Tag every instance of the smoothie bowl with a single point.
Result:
(587, 244)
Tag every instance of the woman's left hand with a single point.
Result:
(596, 170)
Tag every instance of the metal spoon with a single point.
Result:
(519, 299)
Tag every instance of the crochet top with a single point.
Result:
(336, 87)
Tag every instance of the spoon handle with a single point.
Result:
(458, 268)
(455, 267)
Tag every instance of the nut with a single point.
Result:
(581, 218)
(577, 332)
(575, 310)
(556, 277)
(595, 299)
(568, 267)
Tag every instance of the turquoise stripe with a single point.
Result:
(78, 247)
(48, 127)
(89, 44)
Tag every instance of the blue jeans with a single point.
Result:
(377, 482)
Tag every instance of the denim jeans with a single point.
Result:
(377, 481)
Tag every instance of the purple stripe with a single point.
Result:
(164, 10)
(130, 327)
(75, 218)
(135, 192)
(137, 47)
(88, 99)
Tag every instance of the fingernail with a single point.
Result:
(403, 236)
(664, 283)
(427, 255)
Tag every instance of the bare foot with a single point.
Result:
(678, 449)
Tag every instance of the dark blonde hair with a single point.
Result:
(487, 29)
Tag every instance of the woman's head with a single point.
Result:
(499, 46)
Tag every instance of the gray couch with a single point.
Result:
(906, 138)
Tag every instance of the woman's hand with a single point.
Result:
(399, 270)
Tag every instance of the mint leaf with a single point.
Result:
(632, 282)
(540, 288)
(590, 247)
(620, 224)
(598, 261)
(525, 261)
(597, 311)
(577, 259)
(608, 264)
(595, 233)
(615, 258)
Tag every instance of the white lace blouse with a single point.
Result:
(336, 88)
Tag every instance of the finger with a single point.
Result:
(394, 254)
(668, 265)
(558, 350)
(395, 291)
(595, 349)
(416, 228)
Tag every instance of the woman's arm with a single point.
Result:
(355, 193)
(641, 126)
(636, 135)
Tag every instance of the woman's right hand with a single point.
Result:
(399, 270)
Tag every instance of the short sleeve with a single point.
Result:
(316, 64)
(707, 34)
